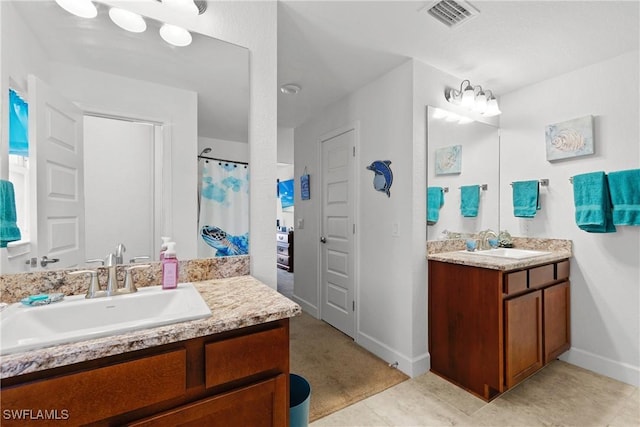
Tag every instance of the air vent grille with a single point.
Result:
(452, 13)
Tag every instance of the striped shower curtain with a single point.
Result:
(223, 225)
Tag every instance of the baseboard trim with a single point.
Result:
(604, 366)
(306, 306)
(410, 366)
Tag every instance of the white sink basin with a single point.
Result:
(76, 318)
(510, 253)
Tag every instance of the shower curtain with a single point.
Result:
(223, 223)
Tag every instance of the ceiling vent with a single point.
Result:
(452, 13)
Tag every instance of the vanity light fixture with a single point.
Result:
(474, 98)
(127, 20)
(290, 89)
(81, 8)
(175, 35)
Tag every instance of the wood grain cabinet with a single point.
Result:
(235, 378)
(489, 329)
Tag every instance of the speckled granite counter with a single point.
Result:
(235, 303)
(560, 249)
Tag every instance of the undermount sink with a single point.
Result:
(76, 318)
(510, 253)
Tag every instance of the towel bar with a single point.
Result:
(483, 187)
(543, 182)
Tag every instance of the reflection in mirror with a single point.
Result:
(476, 146)
(144, 107)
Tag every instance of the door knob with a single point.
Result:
(46, 261)
(323, 239)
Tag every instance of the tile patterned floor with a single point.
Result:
(559, 395)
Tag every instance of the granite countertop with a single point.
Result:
(235, 302)
(452, 251)
(495, 263)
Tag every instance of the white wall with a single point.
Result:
(285, 145)
(605, 269)
(224, 149)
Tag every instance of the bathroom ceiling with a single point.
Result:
(331, 48)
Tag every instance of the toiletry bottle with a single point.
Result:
(170, 267)
(163, 247)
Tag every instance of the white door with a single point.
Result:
(119, 187)
(338, 230)
(55, 132)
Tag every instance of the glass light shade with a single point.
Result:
(175, 35)
(492, 108)
(468, 96)
(187, 6)
(81, 8)
(481, 103)
(127, 20)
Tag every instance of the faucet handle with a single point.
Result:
(129, 285)
(138, 258)
(94, 286)
(101, 261)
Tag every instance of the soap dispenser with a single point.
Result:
(163, 247)
(170, 267)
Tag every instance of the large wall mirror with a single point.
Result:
(462, 152)
(142, 107)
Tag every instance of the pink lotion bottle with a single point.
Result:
(170, 267)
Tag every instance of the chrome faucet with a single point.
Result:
(484, 238)
(112, 279)
(120, 250)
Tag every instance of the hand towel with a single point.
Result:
(592, 202)
(9, 231)
(435, 200)
(469, 200)
(526, 198)
(625, 196)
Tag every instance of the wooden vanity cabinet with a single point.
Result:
(239, 377)
(489, 329)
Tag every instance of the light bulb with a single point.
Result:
(127, 20)
(81, 8)
(175, 35)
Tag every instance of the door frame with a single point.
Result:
(163, 188)
(355, 126)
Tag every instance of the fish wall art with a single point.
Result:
(383, 176)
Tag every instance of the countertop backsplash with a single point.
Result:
(14, 287)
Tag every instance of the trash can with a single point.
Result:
(299, 397)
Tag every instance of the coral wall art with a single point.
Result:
(569, 139)
(449, 160)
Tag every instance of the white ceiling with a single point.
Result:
(216, 70)
(332, 48)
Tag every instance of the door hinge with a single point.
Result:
(353, 305)
(354, 151)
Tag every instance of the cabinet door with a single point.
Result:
(523, 337)
(557, 329)
(264, 404)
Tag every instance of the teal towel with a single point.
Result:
(592, 202)
(625, 196)
(9, 231)
(526, 198)
(469, 200)
(435, 200)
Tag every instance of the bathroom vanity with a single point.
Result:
(495, 321)
(229, 369)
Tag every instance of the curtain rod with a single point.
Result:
(222, 160)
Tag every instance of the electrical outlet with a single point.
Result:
(300, 224)
(395, 229)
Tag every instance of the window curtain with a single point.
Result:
(224, 209)
(18, 125)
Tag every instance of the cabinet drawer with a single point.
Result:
(97, 394)
(283, 259)
(562, 270)
(241, 357)
(515, 282)
(282, 237)
(540, 276)
(284, 249)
